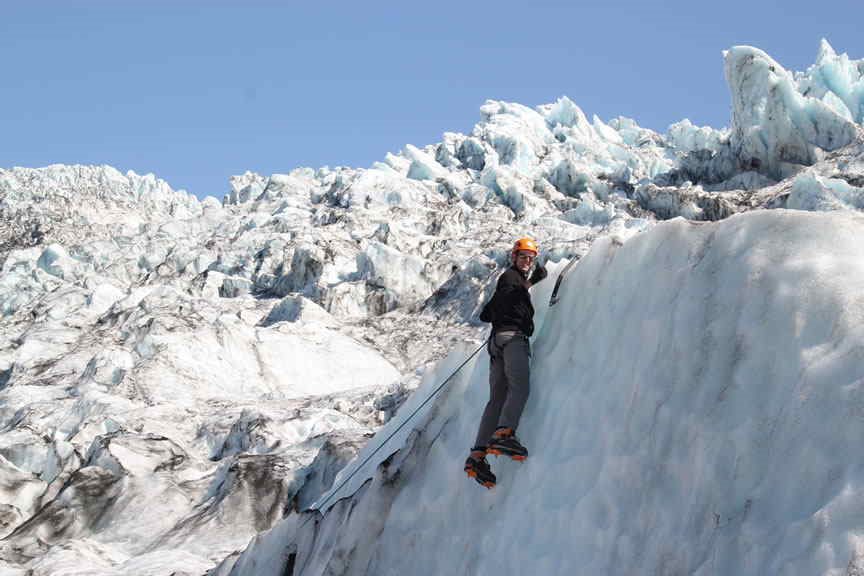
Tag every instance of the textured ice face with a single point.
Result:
(836, 80)
(688, 383)
(777, 120)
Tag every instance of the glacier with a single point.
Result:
(201, 386)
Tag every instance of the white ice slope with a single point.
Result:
(696, 409)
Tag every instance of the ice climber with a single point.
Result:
(512, 317)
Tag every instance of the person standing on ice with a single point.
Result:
(512, 317)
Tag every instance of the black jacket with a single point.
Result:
(510, 307)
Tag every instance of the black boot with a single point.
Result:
(505, 443)
(476, 467)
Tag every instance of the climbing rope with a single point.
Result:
(398, 428)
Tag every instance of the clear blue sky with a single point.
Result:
(196, 91)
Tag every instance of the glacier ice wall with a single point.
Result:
(778, 120)
(695, 410)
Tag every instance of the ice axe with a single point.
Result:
(554, 299)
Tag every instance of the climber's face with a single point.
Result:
(523, 259)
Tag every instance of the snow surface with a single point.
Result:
(178, 376)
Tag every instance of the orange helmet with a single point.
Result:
(527, 244)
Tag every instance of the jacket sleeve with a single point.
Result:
(538, 275)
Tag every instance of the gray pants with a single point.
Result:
(509, 383)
